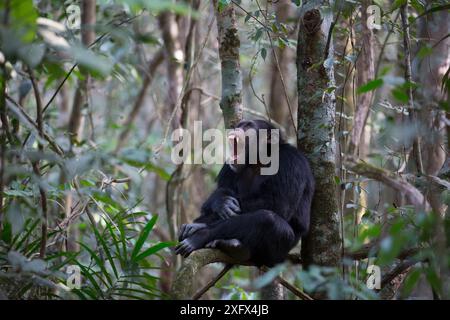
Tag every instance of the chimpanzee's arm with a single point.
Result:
(222, 203)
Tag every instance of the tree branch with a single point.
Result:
(202, 291)
(19, 111)
(182, 287)
(398, 183)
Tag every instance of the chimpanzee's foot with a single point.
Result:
(194, 242)
(231, 247)
(185, 248)
(188, 229)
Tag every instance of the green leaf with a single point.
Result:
(264, 53)
(88, 275)
(24, 19)
(411, 281)
(369, 86)
(160, 171)
(106, 199)
(431, 10)
(98, 262)
(400, 94)
(143, 236)
(397, 4)
(106, 249)
(16, 217)
(418, 5)
(154, 249)
(25, 236)
(157, 6)
(223, 4)
(96, 64)
(258, 34)
(434, 279)
(424, 51)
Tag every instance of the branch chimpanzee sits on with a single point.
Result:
(250, 216)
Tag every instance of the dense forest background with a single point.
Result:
(91, 90)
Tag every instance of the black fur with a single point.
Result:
(273, 212)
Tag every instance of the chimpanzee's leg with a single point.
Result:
(266, 235)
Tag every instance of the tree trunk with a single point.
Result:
(75, 126)
(278, 106)
(365, 73)
(316, 123)
(140, 99)
(175, 59)
(430, 71)
(229, 43)
(87, 37)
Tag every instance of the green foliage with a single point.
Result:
(222, 4)
(117, 266)
(370, 86)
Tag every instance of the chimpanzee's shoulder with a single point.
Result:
(293, 163)
(226, 175)
(290, 153)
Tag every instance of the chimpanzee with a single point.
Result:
(250, 216)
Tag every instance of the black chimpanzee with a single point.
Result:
(254, 217)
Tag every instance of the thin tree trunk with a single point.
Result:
(278, 106)
(430, 72)
(3, 136)
(87, 37)
(316, 122)
(416, 148)
(75, 126)
(365, 72)
(139, 102)
(175, 58)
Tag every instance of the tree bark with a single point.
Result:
(229, 43)
(316, 123)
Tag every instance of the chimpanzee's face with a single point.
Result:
(245, 142)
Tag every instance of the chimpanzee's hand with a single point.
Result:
(227, 207)
(188, 229)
